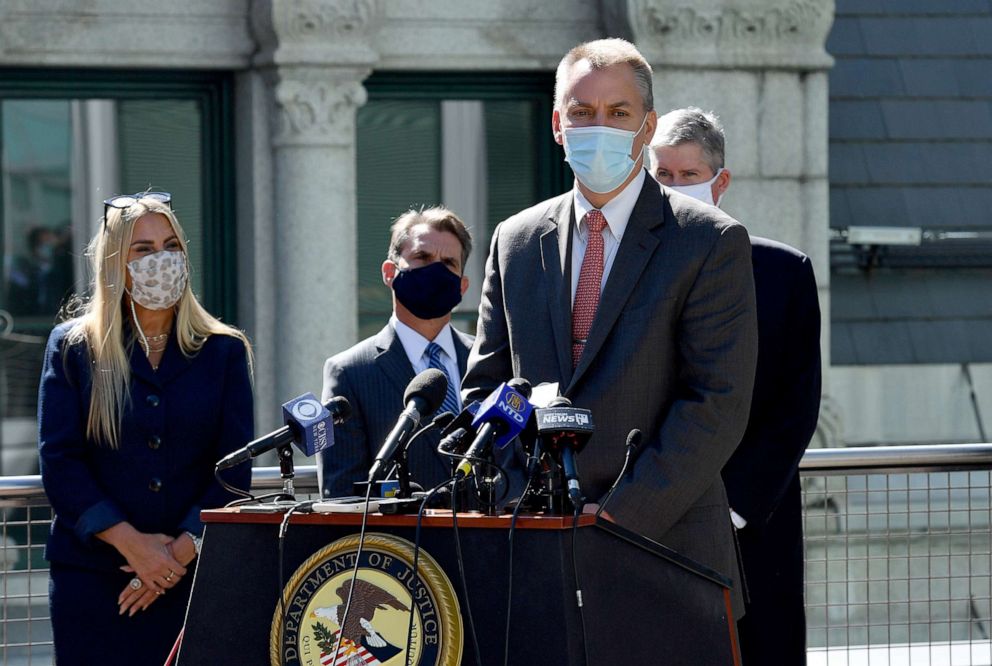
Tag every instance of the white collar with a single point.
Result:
(616, 211)
(414, 344)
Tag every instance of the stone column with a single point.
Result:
(761, 66)
(315, 55)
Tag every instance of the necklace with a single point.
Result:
(157, 338)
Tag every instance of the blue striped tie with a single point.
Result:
(451, 401)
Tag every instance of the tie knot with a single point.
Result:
(595, 221)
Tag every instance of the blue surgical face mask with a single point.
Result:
(600, 155)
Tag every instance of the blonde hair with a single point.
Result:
(100, 324)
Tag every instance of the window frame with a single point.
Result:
(213, 91)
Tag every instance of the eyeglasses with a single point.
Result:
(122, 201)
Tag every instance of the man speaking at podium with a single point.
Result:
(425, 266)
(638, 302)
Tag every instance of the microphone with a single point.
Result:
(452, 441)
(633, 441)
(565, 430)
(501, 417)
(424, 394)
(306, 426)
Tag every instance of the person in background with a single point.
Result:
(762, 477)
(425, 269)
(140, 395)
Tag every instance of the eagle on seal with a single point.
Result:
(368, 598)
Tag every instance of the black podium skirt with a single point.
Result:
(88, 630)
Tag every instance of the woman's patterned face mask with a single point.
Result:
(158, 280)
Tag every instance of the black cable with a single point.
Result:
(578, 589)
(280, 573)
(461, 573)
(229, 488)
(416, 560)
(509, 582)
(354, 575)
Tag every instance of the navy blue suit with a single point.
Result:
(178, 422)
(373, 375)
(762, 477)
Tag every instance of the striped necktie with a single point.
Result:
(451, 401)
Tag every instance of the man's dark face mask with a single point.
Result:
(428, 292)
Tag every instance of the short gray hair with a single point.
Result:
(693, 125)
(604, 53)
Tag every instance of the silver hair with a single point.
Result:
(604, 53)
(693, 125)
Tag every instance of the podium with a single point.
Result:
(642, 602)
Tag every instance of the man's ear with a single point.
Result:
(556, 127)
(388, 269)
(722, 183)
(464, 284)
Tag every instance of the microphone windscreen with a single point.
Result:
(430, 386)
(521, 386)
(560, 401)
(633, 439)
(443, 419)
(340, 408)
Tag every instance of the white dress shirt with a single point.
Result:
(415, 346)
(617, 213)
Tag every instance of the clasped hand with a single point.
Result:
(154, 560)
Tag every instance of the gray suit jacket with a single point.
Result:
(672, 351)
(373, 376)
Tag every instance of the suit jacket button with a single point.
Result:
(152, 400)
(154, 442)
(155, 485)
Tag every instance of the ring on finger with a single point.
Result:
(160, 592)
(135, 583)
(169, 577)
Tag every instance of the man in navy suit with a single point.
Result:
(762, 477)
(428, 250)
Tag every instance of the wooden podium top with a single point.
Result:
(432, 518)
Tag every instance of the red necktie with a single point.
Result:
(590, 282)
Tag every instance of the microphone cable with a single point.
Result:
(354, 575)
(509, 582)
(283, 609)
(578, 588)
(231, 489)
(461, 572)
(416, 561)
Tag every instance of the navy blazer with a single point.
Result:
(373, 375)
(178, 422)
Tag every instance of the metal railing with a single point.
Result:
(898, 555)
(898, 547)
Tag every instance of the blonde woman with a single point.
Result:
(140, 395)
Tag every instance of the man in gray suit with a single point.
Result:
(428, 250)
(646, 318)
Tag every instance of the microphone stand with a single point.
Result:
(287, 473)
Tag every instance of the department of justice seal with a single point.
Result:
(375, 630)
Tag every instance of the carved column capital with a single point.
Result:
(316, 106)
(728, 33)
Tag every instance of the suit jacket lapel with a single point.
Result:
(636, 249)
(556, 259)
(392, 357)
(462, 349)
